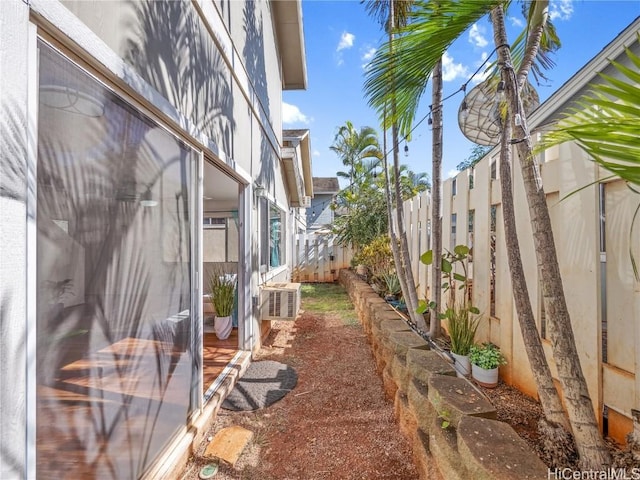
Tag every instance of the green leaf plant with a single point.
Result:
(487, 356)
(462, 318)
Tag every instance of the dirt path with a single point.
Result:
(336, 423)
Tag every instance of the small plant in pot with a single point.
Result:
(485, 360)
(462, 328)
(222, 287)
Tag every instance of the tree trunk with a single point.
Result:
(589, 443)
(395, 249)
(549, 398)
(403, 268)
(436, 224)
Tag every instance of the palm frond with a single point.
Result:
(606, 122)
(400, 71)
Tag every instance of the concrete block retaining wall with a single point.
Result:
(447, 421)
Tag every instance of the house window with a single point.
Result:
(471, 177)
(454, 187)
(494, 168)
(454, 218)
(220, 238)
(272, 235)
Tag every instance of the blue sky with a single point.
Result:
(340, 39)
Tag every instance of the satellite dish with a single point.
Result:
(479, 116)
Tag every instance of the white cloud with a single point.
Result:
(346, 41)
(476, 36)
(452, 70)
(516, 22)
(316, 153)
(367, 56)
(560, 9)
(452, 173)
(292, 114)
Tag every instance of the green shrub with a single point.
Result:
(487, 356)
(377, 256)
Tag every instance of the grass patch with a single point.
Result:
(328, 298)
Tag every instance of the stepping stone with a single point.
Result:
(228, 444)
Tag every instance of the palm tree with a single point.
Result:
(353, 147)
(411, 183)
(392, 13)
(417, 52)
(366, 218)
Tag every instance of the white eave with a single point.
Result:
(574, 87)
(287, 19)
(296, 159)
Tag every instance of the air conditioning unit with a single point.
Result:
(279, 301)
(305, 201)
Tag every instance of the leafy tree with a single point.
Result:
(359, 151)
(477, 152)
(363, 199)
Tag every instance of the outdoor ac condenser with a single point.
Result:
(279, 301)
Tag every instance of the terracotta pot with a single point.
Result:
(486, 378)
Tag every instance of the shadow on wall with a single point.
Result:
(254, 56)
(14, 190)
(172, 50)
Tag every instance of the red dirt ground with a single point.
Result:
(336, 423)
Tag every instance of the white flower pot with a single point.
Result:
(222, 326)
(462, 364)
(486, 378)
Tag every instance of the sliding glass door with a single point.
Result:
(115, 223)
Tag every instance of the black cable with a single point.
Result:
(462, 88)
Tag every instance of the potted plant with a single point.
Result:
(222, 287)
(485, 360)
(462, 329)
(461, 324)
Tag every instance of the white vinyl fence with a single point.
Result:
(317, 258)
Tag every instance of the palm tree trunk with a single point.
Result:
(395, 249)
(436, 224)
(403, 268)
(549, 398)
(589, 443)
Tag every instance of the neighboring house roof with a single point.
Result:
(325, 185)
(287, 19)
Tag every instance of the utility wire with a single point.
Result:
(463, 88)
